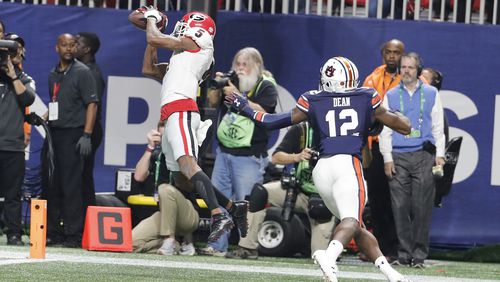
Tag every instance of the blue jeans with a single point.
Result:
(235, 176)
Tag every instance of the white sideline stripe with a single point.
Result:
(21, 257)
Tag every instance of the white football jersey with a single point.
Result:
(186, 68)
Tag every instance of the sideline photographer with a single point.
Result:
(242, 154)
(295, 192)
(17, 91)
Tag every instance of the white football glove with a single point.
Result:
(152, 12)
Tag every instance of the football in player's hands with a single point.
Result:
(138, 19)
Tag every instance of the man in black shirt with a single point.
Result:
(87, 46)
(71, 116)
(17, 91)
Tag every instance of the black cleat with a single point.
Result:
(219, 223)
(239, 213)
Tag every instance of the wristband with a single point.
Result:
(87, 135)
(149, 149)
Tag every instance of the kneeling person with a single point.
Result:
(177, 215)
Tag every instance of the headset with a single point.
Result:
(417, 58)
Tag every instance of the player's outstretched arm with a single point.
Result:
(150, 66)
(394, 120)
(270, 121)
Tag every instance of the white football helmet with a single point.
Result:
(339, 74)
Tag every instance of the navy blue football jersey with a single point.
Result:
(340, 121)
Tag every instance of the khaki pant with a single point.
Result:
(177, 216)
(320, 233)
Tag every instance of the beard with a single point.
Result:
(247, 82)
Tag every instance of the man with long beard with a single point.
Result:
(242, 154)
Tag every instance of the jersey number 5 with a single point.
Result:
(344, 114)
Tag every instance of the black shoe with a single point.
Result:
(15, 240)
(239, 213)
(219, 223)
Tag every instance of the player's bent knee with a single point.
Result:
(258, 198)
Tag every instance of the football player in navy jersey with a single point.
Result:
(342, 116)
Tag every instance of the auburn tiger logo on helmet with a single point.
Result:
(339, 74)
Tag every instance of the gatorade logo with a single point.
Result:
(110, 228)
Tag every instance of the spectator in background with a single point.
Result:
(409, 160)
(382, 79)
(17, 91)
(294, 149)
(71, 117)
(177, 215)
(19, 65)
(87, 45)
(242, 155)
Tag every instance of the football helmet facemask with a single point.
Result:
(194, 19)
(339, 74)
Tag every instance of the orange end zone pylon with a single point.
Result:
(38, 228)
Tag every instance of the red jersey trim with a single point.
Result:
(183, 105)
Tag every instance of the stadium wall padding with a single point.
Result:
(294, 48)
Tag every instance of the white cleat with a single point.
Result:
(326, 265)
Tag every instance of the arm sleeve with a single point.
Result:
(438, 126)
(270, 121)
(28, 97)
(385, 138)
(87, 85)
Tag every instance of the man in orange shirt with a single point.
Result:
(382, 79)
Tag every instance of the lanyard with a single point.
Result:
(422, 101)
(55, 90)
(57, 85)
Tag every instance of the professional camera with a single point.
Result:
(314, 158)
(7, 47)
(219, 83)
(291, 184)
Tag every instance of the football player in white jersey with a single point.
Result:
(192, 46)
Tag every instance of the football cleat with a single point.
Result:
(219, 223)
(239, 214)
(326, 265)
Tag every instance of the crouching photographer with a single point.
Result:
(17, 91)
(294, 193)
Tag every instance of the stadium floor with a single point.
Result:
(62, 264)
